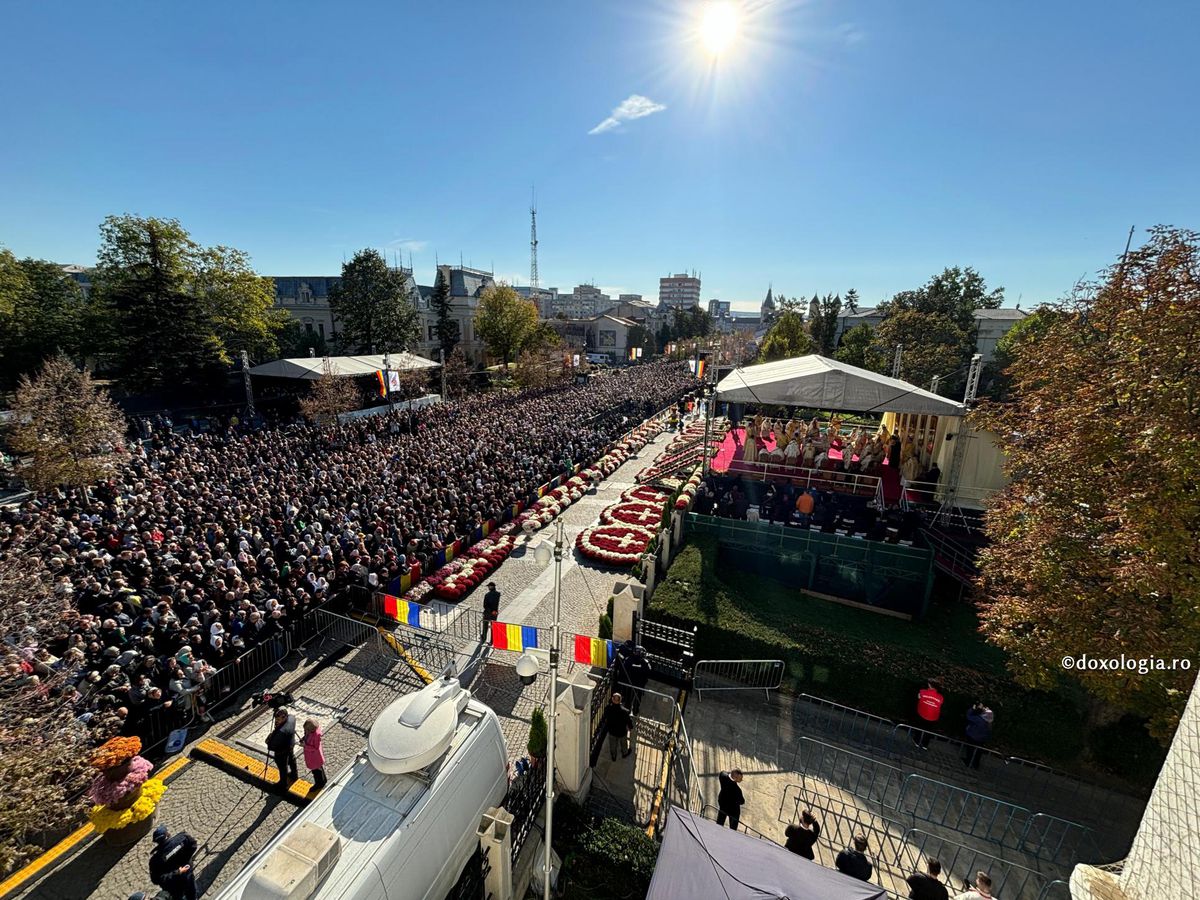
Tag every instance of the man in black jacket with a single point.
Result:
(282, 744)
(617, 723)
(171, 863)
(854, 862)
(923, 886)
(730, 798)
(491, 611)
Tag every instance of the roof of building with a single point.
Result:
(769, 300)
(627, 322)
(466, 282)
(1004, 312)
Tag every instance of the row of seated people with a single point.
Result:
(823, 511)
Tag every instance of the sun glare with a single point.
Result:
(719, 26)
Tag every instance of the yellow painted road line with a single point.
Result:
(394, 643)
(18, 878)
(256, 769)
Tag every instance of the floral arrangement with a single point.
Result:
(105, 819)
(108, 792)
(617, 544)
(115, 752)
(645, 493)
(455, 579)
(634, 512)
(121, 792)
(687, 494)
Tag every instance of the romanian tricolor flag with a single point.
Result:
(592, 651)
(402, 610)
(513, 637)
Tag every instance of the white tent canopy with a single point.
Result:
(311, 368)
(816, 382)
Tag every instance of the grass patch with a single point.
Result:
(862, 659)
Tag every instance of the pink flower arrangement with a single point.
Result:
(107, 792)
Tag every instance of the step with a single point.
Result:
(250, 769)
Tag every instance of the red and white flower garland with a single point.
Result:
(616, 544)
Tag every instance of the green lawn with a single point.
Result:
(867, 660)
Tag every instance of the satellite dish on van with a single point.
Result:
(416, 730)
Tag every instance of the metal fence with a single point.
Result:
(845, 723)
(470, 884)
(963, 811)
(670, 650)
(600, 700)
(525, 797)
(841, 820)
(764, 675)
(1009, 880)
(860, 775)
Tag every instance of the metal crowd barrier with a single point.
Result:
(1009, 880)
(862, 776)
(966, 812)
(845, 722)
(764, 675)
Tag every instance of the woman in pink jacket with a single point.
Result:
(314, 753)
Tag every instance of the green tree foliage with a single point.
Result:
(851, 301)
(538, 734)
(955, 293)
(295, 341)
(693, 322)
(640, 336)
(822, 325)
(446, 327)
(854, 344)
(44, 314)
(933, 345)
(504, 321)
(179, 312)
(946, 304)
(373, 306)
(457, 375)
(1093, 541)
(787, 337)
(995, 377)
(67, 428)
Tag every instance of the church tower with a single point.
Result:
(767, 310)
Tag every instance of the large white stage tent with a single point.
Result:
(310, 368)
(815, 382)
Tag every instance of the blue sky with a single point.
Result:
(832, 145)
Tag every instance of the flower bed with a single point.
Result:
(457, 578)
(645, 493)
(616, 544)
(635, 512)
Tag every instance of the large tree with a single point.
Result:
(46, 314)
(1093, 542)
(66, 427)
(504, 321)
(43, 760)
(446, 327)
(329, 396)
(932, 345)
(946, 304)
(854, 345)
(180, 312)
(787, 337)
(823, 325)
(373, 306)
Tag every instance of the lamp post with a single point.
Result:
(543, 555)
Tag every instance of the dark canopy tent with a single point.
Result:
(701, 859)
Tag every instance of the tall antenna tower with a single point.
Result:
(533, 272)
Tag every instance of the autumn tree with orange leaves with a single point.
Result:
(1095, 543)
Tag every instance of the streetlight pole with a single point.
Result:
(554, 640)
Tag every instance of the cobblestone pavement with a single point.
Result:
(232, 820)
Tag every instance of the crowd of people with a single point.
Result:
(203, 545)
(862, 450)
(829, 511)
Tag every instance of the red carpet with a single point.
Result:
(730, 453)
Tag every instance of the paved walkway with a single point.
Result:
(796, 754)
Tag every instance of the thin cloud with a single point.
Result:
(635, 106)
(409, 244)
(851, 34)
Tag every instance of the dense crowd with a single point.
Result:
(202, 546)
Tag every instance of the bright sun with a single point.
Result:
(719, 26)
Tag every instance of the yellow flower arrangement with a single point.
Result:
(104, 819)
(115, 752)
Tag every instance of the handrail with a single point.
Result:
(834, 479)
(764, 675)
